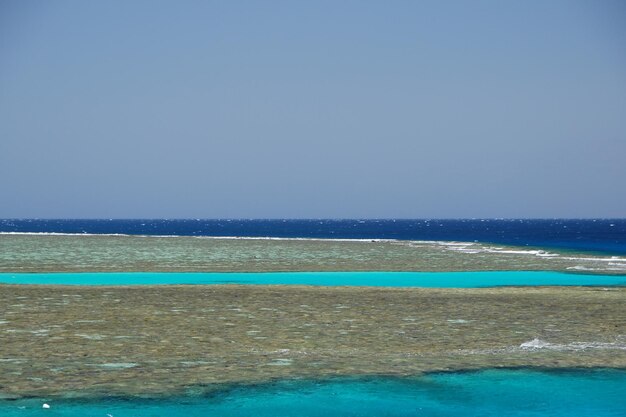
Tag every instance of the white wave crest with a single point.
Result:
(537, 344)
(534, 344)
(315, 239)
(197, 237)
(61, 234)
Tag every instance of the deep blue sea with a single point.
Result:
(594, 235)
(495, 393)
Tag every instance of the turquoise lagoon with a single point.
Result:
(519, 392)
(374, 279)
(573, 393)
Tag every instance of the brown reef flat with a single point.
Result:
(57, 340)
(102, 253)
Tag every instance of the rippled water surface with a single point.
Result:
(488, 393)
(604, 235)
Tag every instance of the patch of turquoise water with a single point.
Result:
(374, 279)
(597, 393)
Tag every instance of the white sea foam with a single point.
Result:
(450, 245)
(583, 268)
(534, 344)
(477, 247)
(316, 239)
(615, 263)
(196, 237)
(587, 263)
(537, 344)
(533, 252)
(61, 234)
(595, 259)
(446, 243)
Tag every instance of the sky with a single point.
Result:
(312, 109)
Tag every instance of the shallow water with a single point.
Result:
(373, 279)
(596, 393)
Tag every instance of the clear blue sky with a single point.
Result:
(272, 109)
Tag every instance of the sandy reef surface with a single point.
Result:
(159, 340)
(102, 253)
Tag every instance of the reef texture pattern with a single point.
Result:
(159, 340)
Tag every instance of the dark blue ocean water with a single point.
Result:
(598, 235)
(597, 393)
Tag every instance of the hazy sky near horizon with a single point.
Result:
(276, 109)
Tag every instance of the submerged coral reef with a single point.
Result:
(156, 340)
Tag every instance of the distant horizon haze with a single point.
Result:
(322, 110)
(311, 218)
